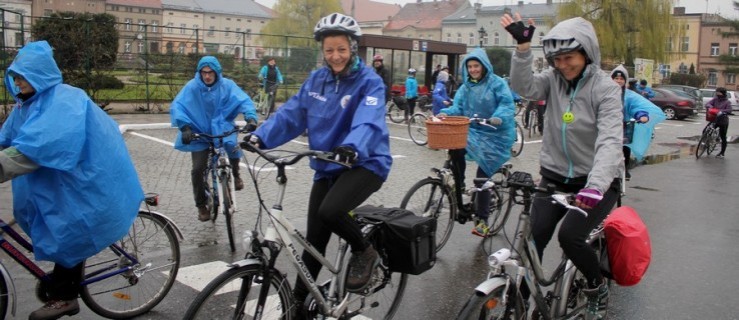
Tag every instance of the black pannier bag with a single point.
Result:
(401, 102)
(408, 240)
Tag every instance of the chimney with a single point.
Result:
(679, 11)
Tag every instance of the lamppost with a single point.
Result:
(483, 34)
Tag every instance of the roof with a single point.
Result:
(463, 15)
(247, 8)
(528, 10)
(136, 3)
(424, 15)
(367, 10)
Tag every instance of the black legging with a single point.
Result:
(410, 108)
(328, 212)
(483, 197)
(65, 282)
(723, 127)
(575, 227)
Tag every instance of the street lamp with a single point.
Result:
(483, 34)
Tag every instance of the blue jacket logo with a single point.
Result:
(371, 101)
(317, 96)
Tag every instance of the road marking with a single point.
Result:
(198, 276)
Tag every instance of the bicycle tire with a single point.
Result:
(228, 208)
(394, 113)
(417, 129)
(231, 290)
(154, 243)
(3, 298)
(431, 198)
(500, 209)
(517, 147)
(700, 149)
(490, 306)
(211, 185)
(268, 105)
(713, 141)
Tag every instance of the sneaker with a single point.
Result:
(238, 183)
(597, 301)
(56, 309)
(361, 266)
(628, 175)
(720, 156)
(481, 229)
(203, 214)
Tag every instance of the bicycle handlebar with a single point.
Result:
(524, 181)
(219, 136)
(294, 158)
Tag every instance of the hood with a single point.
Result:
(480, 55)
(35, 62)
(582, 31)
(212, 62)
(620, 70)
(442, 77)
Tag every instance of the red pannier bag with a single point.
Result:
(629, 248)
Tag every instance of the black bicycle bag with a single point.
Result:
(408, 240)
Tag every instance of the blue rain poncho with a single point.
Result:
(210, 109)
(489, 97)
(85, 194)
(633, 103)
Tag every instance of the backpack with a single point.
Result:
(629, 247)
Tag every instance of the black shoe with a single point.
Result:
(203, 214)
(597, 301)
(238, 183)
(628, 175)
(56, 309)
(361, 266)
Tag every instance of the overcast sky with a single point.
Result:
(724, 7)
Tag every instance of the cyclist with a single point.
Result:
(541, 107)
(270, 76)
(411, 92)
(582, 147)
(483, 94)
(643, 111)
(378, 64)
(341, 106)
(439, 95)
(645, 91)
(209, 103)
(722, 103)
(75, 189)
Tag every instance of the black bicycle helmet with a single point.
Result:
(337, 23)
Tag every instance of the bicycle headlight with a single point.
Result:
(496, 259)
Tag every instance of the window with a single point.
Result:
(181, 48)
(685, 44)
(714, 49)
(496, 38)
(127, 47)
(168, 29)
(47, 12)
(472, 39)
(141, 46)
(459, 37)
(211, 31)
(448, 37)
(227, 32)
(182, 28)
(248, 34)
(683, 68)
(195, 28)
(127, 27)
(732, 49)
(154, 25)
(731, 78)
(142, 24)
(668, 44)
(712, 78)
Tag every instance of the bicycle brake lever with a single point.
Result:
(562, 200)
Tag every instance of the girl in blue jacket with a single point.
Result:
(342, 105)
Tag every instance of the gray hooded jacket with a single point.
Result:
(590, 145)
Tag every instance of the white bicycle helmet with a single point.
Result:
(554, 47)
(337, 23)
(411, 71)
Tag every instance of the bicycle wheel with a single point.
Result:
(386, 292)
(211, 187)
(393, 111)
(268, 105)
(500, 208)
(430, 198)
(713, 141)
(417, 129)
(700, 149)
(518, 143)
(153, 242)
(234, 293)
(3, 298)
(228, 208)
(491, 306)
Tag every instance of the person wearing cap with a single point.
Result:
(485, 95)
(646, 115)
(209, 103)
(341, 106)
(439, 95)
(75, 188)
(722, 103)
(435, 75)
(379, 65)
(645, 91)
(411, 92)
(582, 144)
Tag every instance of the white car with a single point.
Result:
(707, 94)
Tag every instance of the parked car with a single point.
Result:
(708, 93)
(694, 92)
(674, 105)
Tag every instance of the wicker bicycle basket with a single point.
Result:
(449, 133)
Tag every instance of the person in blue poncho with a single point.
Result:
(343, 107)
(644, 112)
(75, 189)
(440, 98)
(210, 103)
(485, 95)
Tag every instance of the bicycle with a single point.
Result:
(709, 140)
(220, 186)
(417, 122)
(230, 295)
(499, 296)
(533, 123)
(517, 147)
(127, 279)
(265, 103)
(440, 196)
(396, 107)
